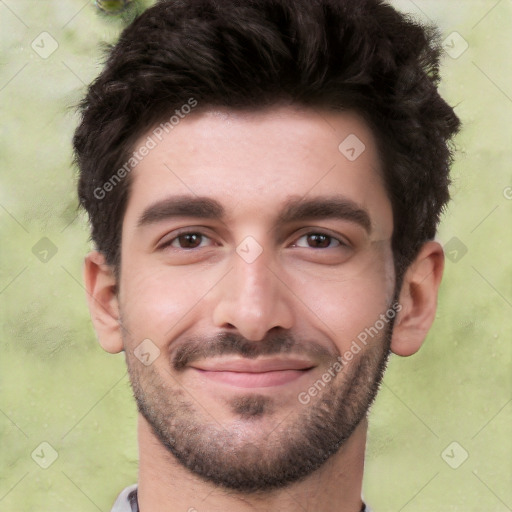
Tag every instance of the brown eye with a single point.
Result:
(189, 240)
(318, 241)
(186, 241)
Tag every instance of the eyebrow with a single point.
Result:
(182, 206)
(295, 209)
(334, 207)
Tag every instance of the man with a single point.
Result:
(264, 180)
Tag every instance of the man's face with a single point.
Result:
(254, 252)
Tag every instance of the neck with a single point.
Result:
(165, 484)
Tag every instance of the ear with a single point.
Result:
(101, 287)
(418, 300)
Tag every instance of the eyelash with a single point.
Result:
(309, 233)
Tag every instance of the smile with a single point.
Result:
(245, 373)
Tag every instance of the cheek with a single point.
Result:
(157, 302)
(343, 306)
(346, 308)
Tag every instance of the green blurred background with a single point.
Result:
(440, 436)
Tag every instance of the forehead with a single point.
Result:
(253, 161)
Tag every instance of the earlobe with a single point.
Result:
(101, 287)
(418, 300)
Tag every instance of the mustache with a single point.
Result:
(228, 343)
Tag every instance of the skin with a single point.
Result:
(317, 292)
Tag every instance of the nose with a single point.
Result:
(252, 299)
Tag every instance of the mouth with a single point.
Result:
(245, 373)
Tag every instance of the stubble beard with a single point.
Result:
(252, 454)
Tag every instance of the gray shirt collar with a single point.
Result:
(127, 501)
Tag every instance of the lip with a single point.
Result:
(218, 364)
(246, 373)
